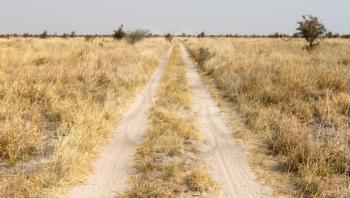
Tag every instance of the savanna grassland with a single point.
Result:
(295, 102)
(59, 100)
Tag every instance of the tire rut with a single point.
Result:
(115, 164)
(228, 163)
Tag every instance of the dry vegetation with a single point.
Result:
(168, 160)
(297, 102)
(59, 100)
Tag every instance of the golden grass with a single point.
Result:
(296, 102)
(169, 159)
(59, 100)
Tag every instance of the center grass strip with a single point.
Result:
(169, 160)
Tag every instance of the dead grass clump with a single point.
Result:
(197, 181)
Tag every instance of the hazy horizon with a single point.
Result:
(176, 17)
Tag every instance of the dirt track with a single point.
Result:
(115, 165)
(229, 166)
(228, 163)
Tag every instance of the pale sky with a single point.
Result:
(165, 16)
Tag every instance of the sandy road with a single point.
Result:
(115, 164)
(228, 163)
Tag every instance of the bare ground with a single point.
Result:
(115, 164)
(228, 163)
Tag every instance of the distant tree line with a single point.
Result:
(46, 34)
(309, 28)
(273, 35)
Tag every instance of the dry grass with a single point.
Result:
(59, 100)
(169, 159)
(297, 102)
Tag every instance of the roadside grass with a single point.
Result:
(296, 104)
(169, 160)
(59, 101)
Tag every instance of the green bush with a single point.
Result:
(136, 36)
(119, 33)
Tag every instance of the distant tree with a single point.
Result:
(329, 34)
(136, 36)
(201, 35)
(4, 36)
(332, 35)
(65, 35)
(44, 35)
(310, 28)
(169, 37)
(275, 35)
(72, 34)
(296, 35)
(119, 33)
(26, 35)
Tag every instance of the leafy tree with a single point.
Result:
(119, 33)
(310, 28)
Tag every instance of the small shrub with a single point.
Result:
(201, 35)
(89, 38)
(169, 37)
(119, 34)
(136, 36)
(65, 35)
(72, 34)
(199, 181)
(44, 35)
(202, 56)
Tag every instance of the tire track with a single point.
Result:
(228, 163)
(115, 164)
